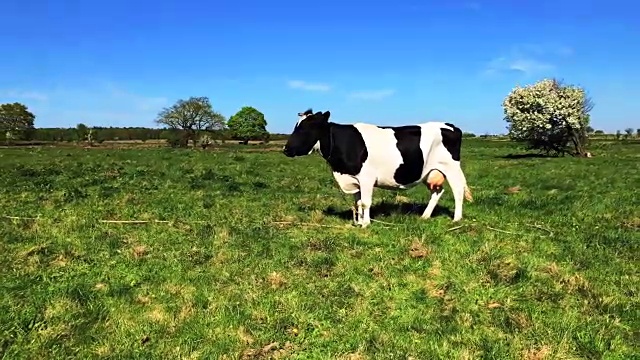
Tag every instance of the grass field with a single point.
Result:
(258, 258)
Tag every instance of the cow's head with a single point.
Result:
(306, 134)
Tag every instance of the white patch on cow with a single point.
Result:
(347, 183)
(384, 157)
(316, 147)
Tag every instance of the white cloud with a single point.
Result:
(371, 94)
(23, 95)
(526, 65)
(142, 103)
(303, 85)
(97, 103)
(528, 59)
(565, 51)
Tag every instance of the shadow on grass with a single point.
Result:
(526, 156)
(384, 208)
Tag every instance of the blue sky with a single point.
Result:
(117, 63)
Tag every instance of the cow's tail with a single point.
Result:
(458, 145)
(467, 193)
(467, 190)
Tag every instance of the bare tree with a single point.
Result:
(192, 115)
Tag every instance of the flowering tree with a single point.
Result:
(549, 116)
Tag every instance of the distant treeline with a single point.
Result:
(100, 134)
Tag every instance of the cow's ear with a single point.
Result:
(326, 115)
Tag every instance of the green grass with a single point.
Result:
(547, 271)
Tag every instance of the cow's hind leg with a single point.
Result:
(434, 182)
(433, 201)
(457, 182)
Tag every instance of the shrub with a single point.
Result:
(206, 141)
(176, 140)
(549, 116)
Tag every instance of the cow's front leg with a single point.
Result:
(357, 209)
(366, 195)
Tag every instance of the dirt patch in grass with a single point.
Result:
(538, 353)
(270, 351)
(418, 249)
(633, 223)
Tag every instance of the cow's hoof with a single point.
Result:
(457, 219)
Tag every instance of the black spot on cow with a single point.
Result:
(344, 149)
(408, 143)
(452, 140)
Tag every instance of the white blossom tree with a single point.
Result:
(549, 116)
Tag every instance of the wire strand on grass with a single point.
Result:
(500, 230)
(151, 221)
(456, 227)
(388, 223)
(306, 224)
(19, 217)
(283, 223)
(504, 231)
(134, 221)
(541, 228)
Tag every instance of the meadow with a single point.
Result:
(252, 255)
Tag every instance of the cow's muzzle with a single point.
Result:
(287, 151)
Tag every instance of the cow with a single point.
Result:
(363, 156)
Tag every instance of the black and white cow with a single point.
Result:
(363, 156)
